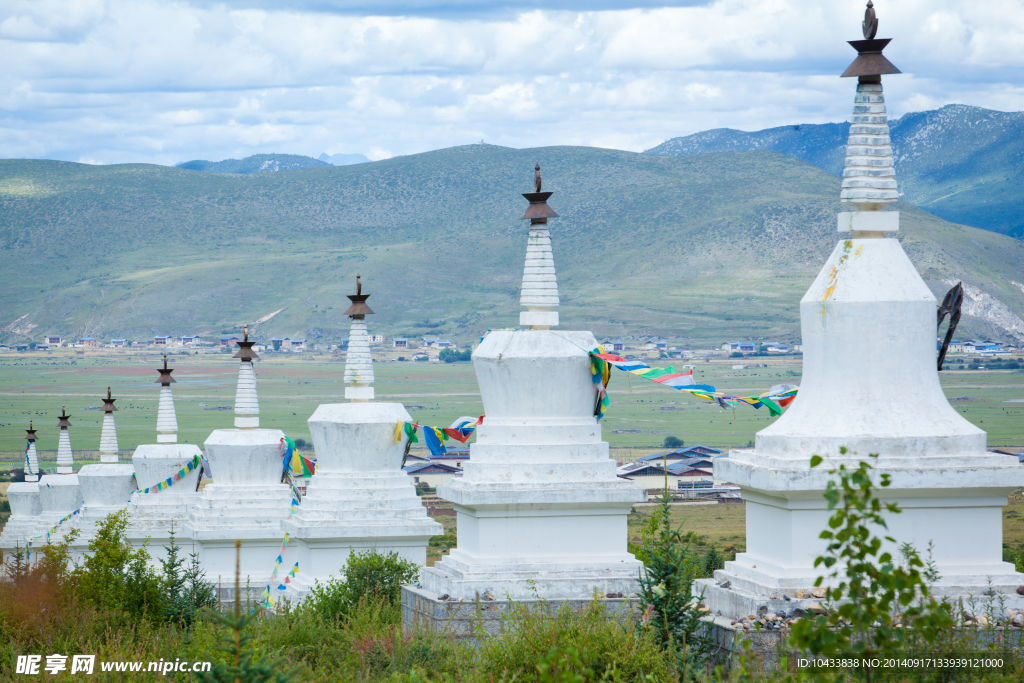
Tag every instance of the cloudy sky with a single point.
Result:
(111, 81)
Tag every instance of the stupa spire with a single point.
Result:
(65, 458)
(31, 458)
(358, 361)
(540, 287)
(869, 179)
(166, 420)
(247, 404)
(108, 436)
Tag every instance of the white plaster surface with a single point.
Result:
(166, 418)
(153, 514)
(869, 221)
(246, 501)
(869, 385)
(359, 499)
(540, 506)
(106, 488)
(31, 463)
(540, 287)
(65, 458)
(869, 176)
(108, 440)
(26, 515)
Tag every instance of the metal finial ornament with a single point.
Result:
(358, 309)
(245, 351)
(64, 417)
(870, 25)
(870, 63)
(951, 304)
(108, 403)
(538, 211)
(165, 374)
(30, 433)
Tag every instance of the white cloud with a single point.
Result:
(143, 80)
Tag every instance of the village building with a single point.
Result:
(400, 343)
(191, 340)
(432, 474)
(161, 340)
(88, 342)
(53, 339)
(118, 343)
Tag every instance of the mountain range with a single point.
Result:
(271, 163)
(697, 247)
(963, 164)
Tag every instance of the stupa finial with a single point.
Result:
(247, 404)
(65, 458)
(108, 435)
(166, 418)
(31, 458)
(358, 361)
(539, 293)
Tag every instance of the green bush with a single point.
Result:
(453, 356)
(370, 575)
(673, 442)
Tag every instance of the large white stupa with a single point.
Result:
(26, 505)
(154, 512)
(247, 499)
(540, 509)
(360, 498)
(107, 486)
(60, 494)
(871, 386)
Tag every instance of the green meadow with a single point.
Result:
(34, 386)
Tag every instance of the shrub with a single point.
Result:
(186, 592)
(452, 355)
(368, 574)
(673, 442)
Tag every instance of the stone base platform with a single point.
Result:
(465, 619)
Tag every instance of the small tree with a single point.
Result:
(368, 574)
(882, 605)
(673, 442)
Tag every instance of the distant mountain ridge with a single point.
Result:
(343, 159)
(257, 163)
(964, 164)
(705, 247)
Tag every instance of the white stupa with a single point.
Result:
(871, 386)
(360, 498)
(26, 505)
(247, 500)
(60, 494)
(154, 513)
(107, 486)
(540, 508)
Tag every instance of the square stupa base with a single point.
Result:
(959, 529)
(463, 619)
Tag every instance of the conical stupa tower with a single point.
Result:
(106, 487)
(539, 294)
(60, 494)
(247, 499)
(166, 419)
(358, 361)
(360, 497)
(870, 387)
(31, 458)
(155, 510)
(108, 435)
(541, 511)
(65, 458)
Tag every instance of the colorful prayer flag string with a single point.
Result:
(774, 399)
(178, 476)
(460, 430)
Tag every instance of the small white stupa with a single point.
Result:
(248, 499)
(26, 505)
(360, 498)
(871, 386)
(60, 494)
(155, 511)
(540, 509)
(107, 486)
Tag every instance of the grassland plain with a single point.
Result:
(698, 248)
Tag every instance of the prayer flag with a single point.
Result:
(432, 437)
(410, 431)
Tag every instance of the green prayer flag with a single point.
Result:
(410, 431)
(773, 407)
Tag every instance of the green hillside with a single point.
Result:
(688, 247)
(257, 163)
